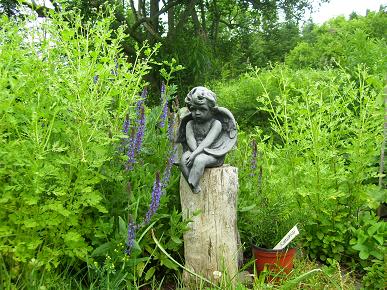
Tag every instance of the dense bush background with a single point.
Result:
(77, 209)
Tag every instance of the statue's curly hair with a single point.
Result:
(199, 95)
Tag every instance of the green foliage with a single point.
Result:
(65, 195)
(345, 43)
(329, 143)
(265, 211)
(369, 241)
(319, 156)
(242, 94)
(66, 88)
(55, 135)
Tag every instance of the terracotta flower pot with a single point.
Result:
(277, 261)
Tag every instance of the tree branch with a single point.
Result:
(150, 19)
(134, 10)
(186, 13)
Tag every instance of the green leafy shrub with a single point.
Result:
(320, 153)
(58, 106)
(369, 241)
(265, 211)
(242, 94)
(66, 89)
(345, 43)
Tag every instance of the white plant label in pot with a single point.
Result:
(287, 238)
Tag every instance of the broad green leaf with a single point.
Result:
(149, 274)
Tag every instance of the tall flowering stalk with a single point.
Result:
(140, 102)
(159, 184)
(132, 227)
(125, 130)
(155, 202)
(137, 131)
(164, 103)
(140, 130)
(131, 153)
(126, 125)
(157, 192)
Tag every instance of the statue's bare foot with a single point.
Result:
(196, 189)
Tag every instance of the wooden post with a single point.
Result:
(211, 244)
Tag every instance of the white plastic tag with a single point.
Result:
(287, 238)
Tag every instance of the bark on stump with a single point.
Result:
(211, 244)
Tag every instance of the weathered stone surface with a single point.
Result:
(211, 244)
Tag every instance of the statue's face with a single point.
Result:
(201, 112)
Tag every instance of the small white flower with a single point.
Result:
(217, 275)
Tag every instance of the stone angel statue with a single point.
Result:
(207, 132)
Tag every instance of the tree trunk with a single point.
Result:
(154, 9)
(195, 20)
(186, 13)
(212, 243)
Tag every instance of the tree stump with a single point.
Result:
(211, 244)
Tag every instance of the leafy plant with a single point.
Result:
(66, 185)
(344, 43)
(369, 241)
(320, 155)
(265, 211)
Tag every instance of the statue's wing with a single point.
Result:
(227, 138)
(180, 138)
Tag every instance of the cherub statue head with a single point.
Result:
(198, 95)
(201, 102)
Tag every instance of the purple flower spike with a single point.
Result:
(162, 91)
(156, 194)
(140, 102)
(168, 168)
(131, 150)
(164, 115)
(131, 237)
(95, 78)
(126, 125)
(125, 130)
(140, 129)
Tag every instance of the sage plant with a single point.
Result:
(132, 227)
(155, 202)
(131, 153)
(136, 132)
(140, 109)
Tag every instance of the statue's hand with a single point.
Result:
(189, 160)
